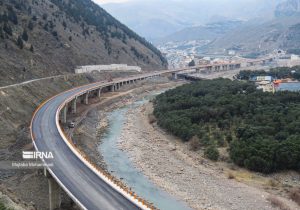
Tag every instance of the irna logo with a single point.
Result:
(37, 155)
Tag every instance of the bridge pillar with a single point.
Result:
(99, 93)
(74, 106)
(86, 98)
(174, 75)
(64, 114)
(54, 192)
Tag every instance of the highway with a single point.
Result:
(80, 182)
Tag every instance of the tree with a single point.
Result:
(70, 38)
(20, 42)
(54, 33)
(192, 63)
(45, 16)
(7, 29)
(25, 36)
(64, 24)
(1, 33)
(31, 49)
(30, 25)
(12, 16)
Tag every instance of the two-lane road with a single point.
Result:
(88, 189)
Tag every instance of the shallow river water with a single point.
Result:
(120, 165)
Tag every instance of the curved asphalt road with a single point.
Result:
(90, 190)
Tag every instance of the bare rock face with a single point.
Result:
(288, 9)
(50, 37)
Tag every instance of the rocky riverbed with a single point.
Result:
(169, 164)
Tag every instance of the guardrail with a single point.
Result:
(118, 186)
(102, 174)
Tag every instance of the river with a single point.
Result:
(119, 164)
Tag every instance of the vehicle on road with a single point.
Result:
(71, 124)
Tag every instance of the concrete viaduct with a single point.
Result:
(88, 186)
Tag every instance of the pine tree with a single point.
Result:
(25, 36)
(30, 25)
(31, 49)
(1, 33)
(20, 42)
(7, 29)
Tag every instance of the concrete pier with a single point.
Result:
(86, 98)
(54, 192)
(74, 106)
(64, 114)
(99, 93)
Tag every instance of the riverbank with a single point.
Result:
(168, 163)
(92, 123)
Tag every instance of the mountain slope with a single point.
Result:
(50, 37)
(208, 32)
(180, 14)
(288, 8)
(261, 37)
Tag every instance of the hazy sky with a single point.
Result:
(109, 1)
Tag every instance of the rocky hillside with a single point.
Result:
(288, 8)
(209, 31)
(40, 38)
(255, 37)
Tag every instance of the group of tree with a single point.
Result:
(262, 130)
(277, 73)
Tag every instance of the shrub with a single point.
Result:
(151, 119)
(295, 195)
(212, 153)
(194, 143)
(230, 175)
(277, 203)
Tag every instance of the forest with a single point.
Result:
(261, 130)
(277, 73)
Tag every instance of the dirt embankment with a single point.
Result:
(17, 104)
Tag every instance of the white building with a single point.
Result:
(111, 67)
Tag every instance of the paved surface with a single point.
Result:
(91, 191)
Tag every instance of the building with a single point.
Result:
(111, 67)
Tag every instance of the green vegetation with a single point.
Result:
(212, 153)
(3, 207)
(262, 130)
(279, 73)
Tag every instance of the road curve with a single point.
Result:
(74, 175)
(83, 185)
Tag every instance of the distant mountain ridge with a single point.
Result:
(171, 16)
(210, 32)
(50, 37)
(260, 37)
(288, 9)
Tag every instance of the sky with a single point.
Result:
(109, 1)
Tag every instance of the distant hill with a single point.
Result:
(261, 37)
(288, 9)
(210, 31)
(170, 16)
(50, 37)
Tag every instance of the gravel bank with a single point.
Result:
(169, 164)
